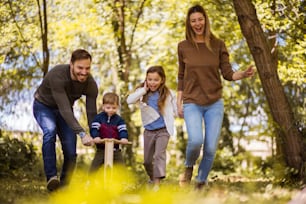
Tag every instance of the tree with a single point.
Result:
(126, 37)
(124, 21)
(266, 63)
(18, 59)
(44, 35)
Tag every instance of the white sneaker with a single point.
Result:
(155, 188)
(53, 183)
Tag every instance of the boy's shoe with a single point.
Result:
(185, 178)
(53, 183)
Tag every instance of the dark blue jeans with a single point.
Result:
(52, 123)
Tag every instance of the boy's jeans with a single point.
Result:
(52, 123)
(194, 116)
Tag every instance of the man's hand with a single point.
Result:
(87, 140)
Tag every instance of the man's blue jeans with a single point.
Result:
(52, 123)
(194, 116)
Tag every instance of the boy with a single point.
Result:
(108, 124)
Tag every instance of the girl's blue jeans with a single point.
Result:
(52, 123)
(194, 116)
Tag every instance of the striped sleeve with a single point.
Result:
(122, 129)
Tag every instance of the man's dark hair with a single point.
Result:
(80, 54)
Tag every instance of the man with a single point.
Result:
(53, 111)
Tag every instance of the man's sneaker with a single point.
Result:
(53, 183)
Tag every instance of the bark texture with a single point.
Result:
(266, 64)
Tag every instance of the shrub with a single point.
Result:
(15, 155)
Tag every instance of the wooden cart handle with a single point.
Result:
(116, 141)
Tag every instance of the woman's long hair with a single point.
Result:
(163, 89)
(189, 33)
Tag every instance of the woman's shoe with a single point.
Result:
(185, 178)
(201, 185)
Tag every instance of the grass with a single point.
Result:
(21, 188)
(125, 187)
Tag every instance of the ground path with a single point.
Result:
(228, 190)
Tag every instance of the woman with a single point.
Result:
(203, 58)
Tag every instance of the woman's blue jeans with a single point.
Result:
(194, 116)
(52, 123)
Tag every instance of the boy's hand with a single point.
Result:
(87, 140)
(124, 141)
(97, 140)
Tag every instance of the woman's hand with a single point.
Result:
(180, 110)
(179, 104)
(249, 72)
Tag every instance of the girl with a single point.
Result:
(158, 108)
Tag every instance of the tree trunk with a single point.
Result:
(125, 61)
(266, 63)
(124, 56)
(44, 35)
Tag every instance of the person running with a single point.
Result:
(158, 108)
(53, 111)
(202, 58)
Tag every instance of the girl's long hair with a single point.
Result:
(189, 33)
(163, 89)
